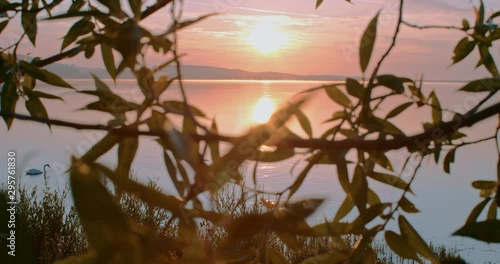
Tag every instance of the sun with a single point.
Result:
(267, 38)
(263, 110)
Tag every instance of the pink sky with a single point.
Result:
(323, 41)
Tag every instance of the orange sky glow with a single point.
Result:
(294, 37)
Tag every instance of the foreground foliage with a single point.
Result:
(51, 230)
(356, 144)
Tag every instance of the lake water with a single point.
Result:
(444, 200)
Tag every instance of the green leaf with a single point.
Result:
(487, 231)
(338, 96)
(465, 24)
(109, 60)
(43, 95)
(359, 189)
(29, 23)
(105, 226)
(9, 99)
(214, 145)
(484, 185)
(390, 180)
(3, 25)
(81, 27)
(318, 3)
(437, 112)
(36, 108)
(344, 209)
(492, 211)
(487, 60)
(408, 206)
(300, 179)
(392, 82)
(400, 246)
(398, 110)
(415, 241)
(101, 147)
(43, 75)
(367, 43)
(354, 88)
(343, 175)
(479, 14)
(172, 173)
(177, 107)
(304, 122)
(161, 85)
(127, 148)
(448, 159)
(463, 49)
(482, 85)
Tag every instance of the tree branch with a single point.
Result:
(419, 140)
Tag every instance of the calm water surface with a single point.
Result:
(444, 200)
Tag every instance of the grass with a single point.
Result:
(50, 231)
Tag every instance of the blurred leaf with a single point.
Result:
(127, 148)
(36, 108)
(487, 60)
(343, 175)
(344, 209)
(9, 99)
(354, 88)
(276, 257)
(338, 96)
(448, 159)
(290, 240)
(29, 23)
(43, 75)
(277, 155)
(479, 14)
(465, 24)
(381, 159)
(415, 241)
(484, 185)
(367, 43)
(359, 189)
(408, 206)
(80, 28)
(482, 85)
(304, 122)
(390, 180)
(214, 145)
(463, 49)
(370, 214)
(151, 196)
(101, 147)
(437, 115)
(43, 95)
(172, 173)
(161, 85)
(109, 60)
(105, 225)
(135, 6)
(333, 257)
(373, 198)
(3, 24)
(398, 110)
(114, 7)
(487, 231)
(318, 3)
(399, 245)
(87, 258)
(474, 214)
(492, 210)
(178, 107)
(300, 179)
(392, 82)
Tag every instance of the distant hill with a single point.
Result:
(191, 72)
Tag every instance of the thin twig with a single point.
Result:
(431, 26)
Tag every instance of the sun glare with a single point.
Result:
(263, 110)
(267, 38)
